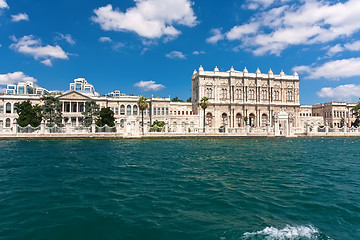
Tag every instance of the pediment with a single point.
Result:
(208, 84)
(74, 95)
(238, 84)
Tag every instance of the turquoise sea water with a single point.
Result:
(221, 189)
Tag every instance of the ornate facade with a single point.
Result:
(236, 96)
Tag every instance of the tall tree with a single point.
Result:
(204, 104)
(28, 114)
(91, 112)
(106, 117)
(143, 105)
(356, 113)
(51, 111)
(189, 99)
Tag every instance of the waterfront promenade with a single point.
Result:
(130, 130)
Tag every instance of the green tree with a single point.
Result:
(189, 99)
(28, 114)
(106, 117)
(204, 104)
(356, 113)
(157, 126)
(91, 112)
(143, 105)
(51, 111)
(176, 99)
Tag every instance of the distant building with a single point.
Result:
(116, 93)
(25, 88)
(82, 86)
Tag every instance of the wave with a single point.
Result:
(286, 233)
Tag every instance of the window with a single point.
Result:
(209, 119)
(135, 110)
(167, 111)
(224, 119)
(154, 111)
(75, 107)
(122, 110)
(238, 119)
(264, 120)
(116, 111)
(21, 90)
(276, 95)
(263, 95)
(224, 93)
(7, 123)
(8, 108)
(122, 121)
(289, 96)
(82, 108)
(158, 112)
(128, 110)
(1, 124)
(1, 109)
(162, 111)
(251, 95)
(209, 93)
(238, 94)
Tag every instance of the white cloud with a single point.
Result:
(15, 77)
(3, 4)
(261, 4)
(175, 54)
(67, 37)
(335, 49)
(30, 45)
(47, 62)
(299, 23)
(238, 32)
(148, 18)
(149, 86)
(19, 17)
(355, 46)
(334, 70)
(216, 36)
(302, 69)
(198, 52)
(105, 39)
(342, 92)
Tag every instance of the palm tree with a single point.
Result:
(143, 105)
(204, 104)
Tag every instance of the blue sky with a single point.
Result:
(151, 47)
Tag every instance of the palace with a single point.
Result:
(238, 101)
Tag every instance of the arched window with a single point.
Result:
(7, 122)
(224, 93)
(238, 93)
(128, 110)
(209, 119)
(135, 110)
(209, 93)
(175, 126)
(8, 108)
(252, 119)
(238, 119)
(289, 96)
(263, 95)
(264, 120)
(251, 95)
(122, 110)
(224, 119)
(276, 95)
(122, 122)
